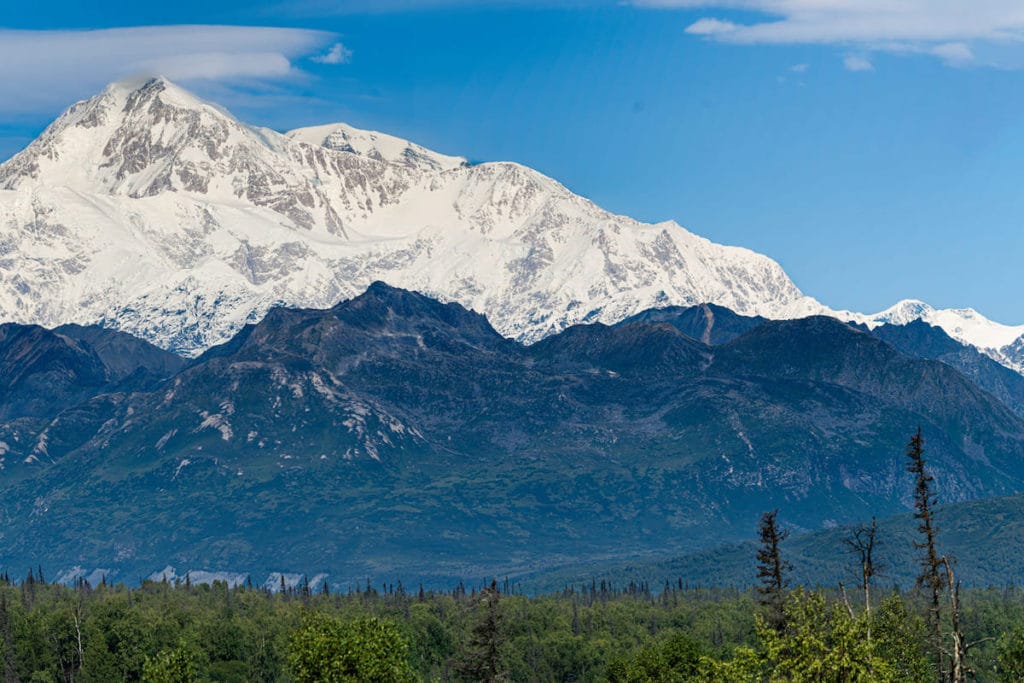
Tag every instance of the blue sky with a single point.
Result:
(876, 155)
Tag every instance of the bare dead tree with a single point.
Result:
(958, 653)
(862, 544)
(960, 671)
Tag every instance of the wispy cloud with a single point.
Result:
(319, 8)
(857, 63)
(948, 29)
(42, 69)
(338, 54)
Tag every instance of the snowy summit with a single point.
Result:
(149, 210)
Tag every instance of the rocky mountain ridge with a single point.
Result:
(395, 433)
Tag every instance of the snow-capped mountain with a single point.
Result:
(1004, 343)
(149, 210)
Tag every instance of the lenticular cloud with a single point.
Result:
(44, 68)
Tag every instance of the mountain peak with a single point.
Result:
(904, 311)
(180, 224)
(136, 94)
(137, 137)
(383, 306)
(341, 137)
(963, 324)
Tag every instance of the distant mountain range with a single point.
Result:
(397, 435)
(147, 210)
(181, 391)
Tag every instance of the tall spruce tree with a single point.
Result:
(772, 570)
(930, 578)
(483, 658)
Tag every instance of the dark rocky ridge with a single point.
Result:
(395, 434)
(43, 372)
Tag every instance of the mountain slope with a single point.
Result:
(920, 339)
(716, 325)
(983, 536)
(148, 210)
(45, 371)
(394, 433)
(41, 370)
(709, 323)
(963, 324)
(124, 356)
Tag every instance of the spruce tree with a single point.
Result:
(772, 570)
(482, 660)
(930, 578)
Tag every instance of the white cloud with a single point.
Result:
(45, 69)
(857, 63)
(338, 54)
(710, 27)
(954, 54)
(951, 30)
(800, 68)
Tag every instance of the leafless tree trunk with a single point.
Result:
(863, 544)
(846, 600)
(78, 635)
(958, 653)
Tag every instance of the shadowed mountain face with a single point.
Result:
(925, 341)
(715, 325)
(396, 435)
(41, 371)
(123, 356)
(44, 372)
(707, 323)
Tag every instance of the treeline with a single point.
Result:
(170, 632)
(167, 632)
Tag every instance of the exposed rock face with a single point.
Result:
(147, 210)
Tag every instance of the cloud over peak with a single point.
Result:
(43, 69)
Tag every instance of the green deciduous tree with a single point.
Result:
(824, 643)
(675, 659)
(171, 666)
(899, 638)
(329, 650)
(1011, 656)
